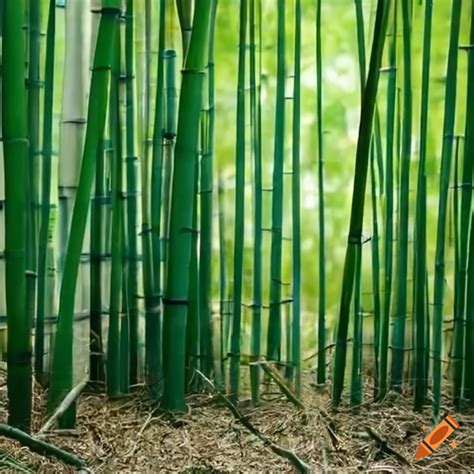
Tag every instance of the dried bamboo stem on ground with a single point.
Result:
(385, 447)
(69, 399)
(280, 381)
(41, 447)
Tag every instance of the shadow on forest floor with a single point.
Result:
(129, 435)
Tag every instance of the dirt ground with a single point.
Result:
(131, 435)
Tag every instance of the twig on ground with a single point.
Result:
(291, 456)
(149, 419)
(385, 447)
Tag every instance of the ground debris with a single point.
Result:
(130, 435)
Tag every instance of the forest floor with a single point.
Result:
(131, 435)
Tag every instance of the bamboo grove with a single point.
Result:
(154, 232)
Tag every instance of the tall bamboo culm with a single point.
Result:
(15, 153)
(360, 181)
(45, 199)
(256, 127)
(321, 370)
(62, 370)
(274, 322)
(181, 217)
(296, 212)
(446, 154)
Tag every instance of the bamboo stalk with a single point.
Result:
(357, 210)
(457, 354)
(70, 398)
(46, 169)
(153, 316)
(192, 327)
(274, 322)
(296, 208)
(40, 446)
(419, 297)
(176, 289)
(401, 305)
(321, 370)
(356, 379)
(33, 103)
(15, 155)
(132, 163)
(256, 123)
(239, 229)
(448, 130)
(185, 16)
(223, 304)
(465, 347)
(115, 353)
(206, 199)
(389, 206)
(61, 379)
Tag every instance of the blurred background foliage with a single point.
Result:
(341, 111)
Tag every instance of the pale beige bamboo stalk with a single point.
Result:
(76, 81)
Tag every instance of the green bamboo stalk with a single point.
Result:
(143, 125)
(15, 152)
(97, 250)
(361, 43)
(256, 128)
(131, 181)
(206, 197)
(61, 379)
(124, 326)
(457, 355)
(180, 238)
(454, 237)
(117, 240)
(274, 322)
(375, 252)
(466, 351)
(151, 307)
(47, 155)
(185, 15)
(356, 395)
(296, 207)
(398, 345)
(389, 211)
(192, 327)
(147, 78)
(100, 218)
(170, 136)
(239, 229)
(72, 129)
(448, 130)
(321, 371)
(358, 200)
(223, 304)
(33, 88)
(153, 318)
(356, 379)
(419, 297)
(469, 334)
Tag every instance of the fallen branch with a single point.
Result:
(291, 456)
(69, 399)
(140, 433)
(385, 447)
(280, 381)
(41, 447)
